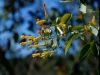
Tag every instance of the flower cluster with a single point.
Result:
(46, 35)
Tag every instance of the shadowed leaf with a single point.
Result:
(85, 51)
(94, 49)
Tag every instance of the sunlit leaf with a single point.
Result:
(85, 51)
(75, 36)
(82, 8)
(65, 19)
(67, 46)
(94, 30)
(77, 28)
(69, 41)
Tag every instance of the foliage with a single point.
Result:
(18, 17)
(61, 27)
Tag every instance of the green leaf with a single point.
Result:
(65, 19)
(85, 51)
(67, 46)
(75, 36)
(94, 49)
(77, 28)
(83, 37)
(69, 38)
(69, 41)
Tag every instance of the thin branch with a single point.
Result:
(31, 66)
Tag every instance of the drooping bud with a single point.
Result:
(45, 12)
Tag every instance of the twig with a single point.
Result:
(31, 66)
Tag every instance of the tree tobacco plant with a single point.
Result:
(58, 29)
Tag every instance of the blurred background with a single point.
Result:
(18, 17)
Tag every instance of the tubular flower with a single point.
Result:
(43, 55)
(23, 43)
(35, 55)
(29, 37)
(40, 22)
(34, 46)
(36, 39)
(45, 36)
